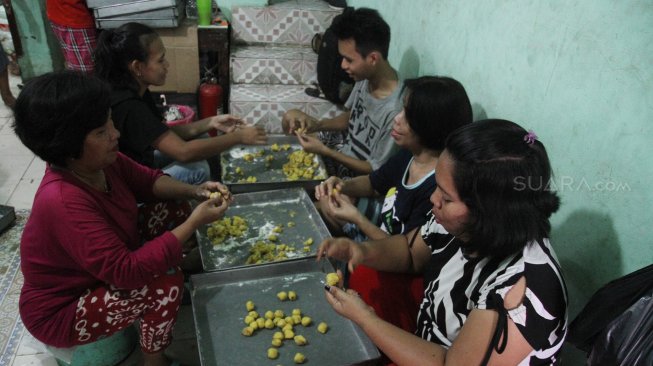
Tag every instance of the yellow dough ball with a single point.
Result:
(288, 334)
(283, 295)
(278, 314)
(253, 314)
(250, 305)
(300, 340)
(269, 324)
(269, 314)
(332, 279)
(277, 342)
(306, 321)
(299, 358)
(292, 295)
(322, 327)
(247, 331)
(248, 319)
(273, 353)
(296, 312)
(277, 335)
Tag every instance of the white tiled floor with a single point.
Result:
(20, 174)
(20, 170)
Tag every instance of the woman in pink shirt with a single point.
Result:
(88, 273)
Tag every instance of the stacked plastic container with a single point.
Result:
(154, 13)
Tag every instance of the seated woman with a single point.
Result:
(494, 293)
(87, 272)
(131, 58)
(433, 108)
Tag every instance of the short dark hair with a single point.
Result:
(366, 27)
(116, 48)
(490, 158)
(54, 113)
(435, 106)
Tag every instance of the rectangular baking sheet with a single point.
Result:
(269, 175)
(263, 211)
(219, 309)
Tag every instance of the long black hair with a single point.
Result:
(117, 48)
(502, 173)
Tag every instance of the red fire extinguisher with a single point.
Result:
(210, 98)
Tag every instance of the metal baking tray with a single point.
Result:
(263, 211)
(112, 8)
(268, 177)
(219, 309)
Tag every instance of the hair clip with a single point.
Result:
(530, 137)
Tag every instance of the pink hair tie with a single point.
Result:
(530, 137)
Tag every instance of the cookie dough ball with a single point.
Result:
(273, 353)
(296, 312)
(277, 342)
(299, 358)
(247, 331)
(260, 322)
(300, 340)
(292, 295)
(213, 195)
(306, 321)
(253, 314)
(283, 295)
(279, 314)
(288, 334)
(269, 324)
(269, 314)
(277, 335)
(296, 319)
(332, 279)
(250, 305)
(322, 327)
(248, 319)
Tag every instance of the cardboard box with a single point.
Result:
(182, 53)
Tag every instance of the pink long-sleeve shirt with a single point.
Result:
(78, 238)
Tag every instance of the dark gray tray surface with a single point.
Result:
(219, 309)
(269, 175)
(263, 211)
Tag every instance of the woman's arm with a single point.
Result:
(224, 123)
(391, 254)
(405, 348)
(402, 347)
(341, 208)
(199, 149)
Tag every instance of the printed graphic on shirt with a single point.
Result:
(388, 215)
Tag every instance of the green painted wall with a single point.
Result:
(580, 74)
(41, 52)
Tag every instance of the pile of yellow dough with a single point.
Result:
(300, 165)
(219, 230)
(286, 323)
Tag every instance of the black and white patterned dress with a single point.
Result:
(456, 283)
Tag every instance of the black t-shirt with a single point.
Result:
(404, 207)
(140, 123)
